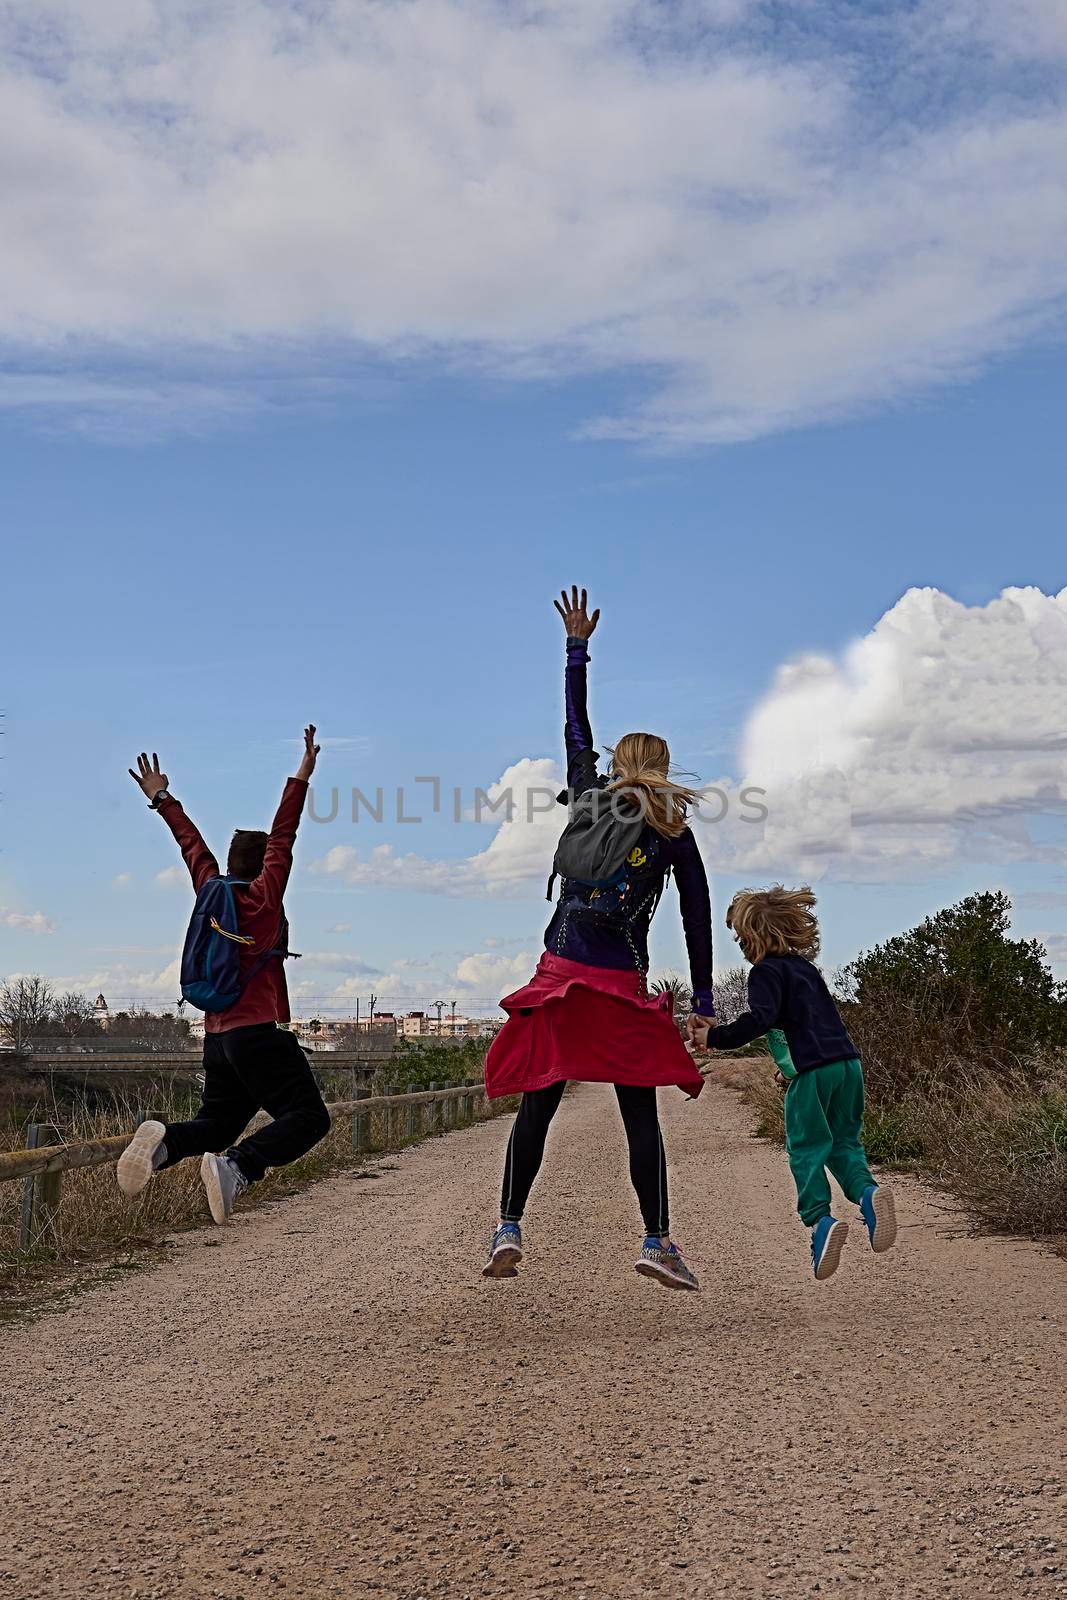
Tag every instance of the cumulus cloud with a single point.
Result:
(528, 823)
(713, 199)
(474, 979)
(485, 972)
(937, 737)
(26, 921)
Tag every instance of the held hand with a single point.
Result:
(148, 776)
(578, 622)
(311, 751)
(697, 1029)
(782, 1081)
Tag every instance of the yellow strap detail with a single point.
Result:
(236, 937)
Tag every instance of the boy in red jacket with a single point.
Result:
(250, 1062)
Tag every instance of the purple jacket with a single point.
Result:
(624, 944)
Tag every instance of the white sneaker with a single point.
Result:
(225, 1184)
(141, 1157)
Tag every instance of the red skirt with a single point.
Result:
(588, 1024)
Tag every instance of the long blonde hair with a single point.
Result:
(775, 922)
(640, 763)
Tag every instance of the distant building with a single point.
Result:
(334, 1033)
(101, 1015)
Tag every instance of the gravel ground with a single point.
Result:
(327, 1399)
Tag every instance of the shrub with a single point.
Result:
(957, 986)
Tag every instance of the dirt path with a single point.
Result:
(327, 1400)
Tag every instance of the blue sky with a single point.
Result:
(390, 573)
(301, 418)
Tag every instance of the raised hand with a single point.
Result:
(311, 751)
(575, 614)
(148, 776)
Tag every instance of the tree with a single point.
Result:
(731, 994)
(150, 1029)
(25, 1007)
(73, 1015)
(677, 988)
(955, 986)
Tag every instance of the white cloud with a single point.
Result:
(122, 880)
(339, 961)
(171, 878)
(123, 985)
(937, 737)
(340, 927)
(487, 973)
(757, 242)
(26, 921)
(520, 851)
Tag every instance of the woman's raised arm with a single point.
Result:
(578, 735)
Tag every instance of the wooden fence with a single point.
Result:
(379, 1122)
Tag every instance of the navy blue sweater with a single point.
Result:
(788, 992)
(623, 944)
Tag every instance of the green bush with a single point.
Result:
(956, 987)
(416, 1066)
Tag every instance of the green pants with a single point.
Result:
(823, 1123)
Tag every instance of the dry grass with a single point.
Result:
(998, 1143)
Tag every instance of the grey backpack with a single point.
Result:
(596, 845)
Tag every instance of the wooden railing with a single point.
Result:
(401, 1119)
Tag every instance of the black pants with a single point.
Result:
(648, 1163)
(261, 1068)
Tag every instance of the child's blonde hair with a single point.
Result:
(639, 766)
(775, 922)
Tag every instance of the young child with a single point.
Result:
(817, 1064)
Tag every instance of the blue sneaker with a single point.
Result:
(880, 1217)
(505, 1252)
(665, 1264)
(827, 1242)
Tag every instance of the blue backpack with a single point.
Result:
(211, 960)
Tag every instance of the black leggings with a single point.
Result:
(648, 1163)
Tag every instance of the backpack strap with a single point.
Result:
(280, 949)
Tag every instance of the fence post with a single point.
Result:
(40, 1194)
(360, 1125)
(392, 1134)
(431, 1109)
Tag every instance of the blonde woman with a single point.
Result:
(818, 1066)
(586, 1014)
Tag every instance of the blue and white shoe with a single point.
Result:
(827, 1242)
(505, 1252)
(665, 1264)
(880, 1217)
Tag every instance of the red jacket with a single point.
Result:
(259, 906)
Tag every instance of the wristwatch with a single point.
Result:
(158, 798)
